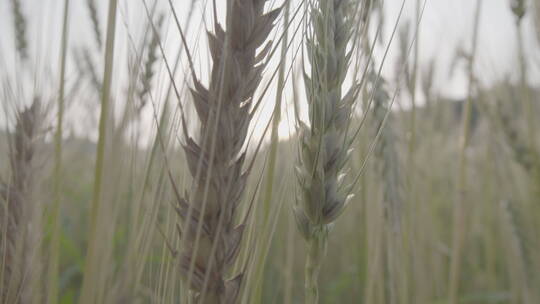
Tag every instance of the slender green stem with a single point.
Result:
(289, 261)
(458, 236)
(528, 107)
(412, 140)
(274, 141)
(54, 258)
(413, 192)
(88, 294)
(315, 256)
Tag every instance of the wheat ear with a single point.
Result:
(20, 29)
(18, 213)
(324, 146)
(216, 156)
(386, 155)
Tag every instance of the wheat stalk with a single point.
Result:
(536, 7)
(54, 253)
(516, 253)
(519, 9)
(89, 294)
(324, 146)
(215, 157)
(459, 220)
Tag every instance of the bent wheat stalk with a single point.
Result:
(216, 156)
(324, 145)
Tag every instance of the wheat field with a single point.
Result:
(269, 151)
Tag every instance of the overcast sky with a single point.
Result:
(446, 24)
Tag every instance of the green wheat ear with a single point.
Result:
(324, 145)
